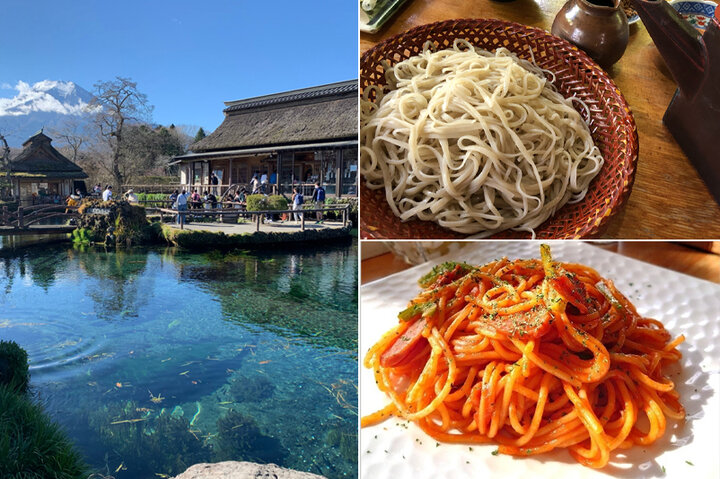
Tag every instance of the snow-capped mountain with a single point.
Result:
(46, 104)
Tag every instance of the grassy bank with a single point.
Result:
(207, 239)
(31, 445)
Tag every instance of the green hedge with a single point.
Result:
(264, 203)
(337, 215)
(13, 366)
(153, 197)
(192, 239)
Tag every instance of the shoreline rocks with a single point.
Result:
(243, 470)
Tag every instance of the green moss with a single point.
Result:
(13, 366)
(31, 446)
(192, 239)
(85, 236)
(130, 226)
(252, 389)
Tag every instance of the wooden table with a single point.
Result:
(669, 199)
(677, 257)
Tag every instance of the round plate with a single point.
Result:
(611, 124)
(698, 13)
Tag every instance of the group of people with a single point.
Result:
(318, 197)
(195, 201)
(182, 201)
(259, 183)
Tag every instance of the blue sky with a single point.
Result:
(186, 56)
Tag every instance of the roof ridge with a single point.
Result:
(331, 89)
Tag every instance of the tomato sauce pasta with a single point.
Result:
(532, 355)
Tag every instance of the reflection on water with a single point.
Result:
(154, 360)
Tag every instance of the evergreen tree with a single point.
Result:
(200, 134)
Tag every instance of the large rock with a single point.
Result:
(243, 470)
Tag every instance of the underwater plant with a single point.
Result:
(31, 445)
(240, 439)
(13, 366)
(252, 388)
(344, 440)
(139, 439)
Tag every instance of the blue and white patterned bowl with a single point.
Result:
(698, 12)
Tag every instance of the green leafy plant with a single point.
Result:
(277, 202)
(31, 445)
(140, 439)
(153, 197)
(13, 366)
(264, 203)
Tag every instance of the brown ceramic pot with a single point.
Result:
(599, 27)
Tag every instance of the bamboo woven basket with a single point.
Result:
(611, 124)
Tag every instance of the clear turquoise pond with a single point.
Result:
(153, 360)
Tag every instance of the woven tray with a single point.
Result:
(611, 124)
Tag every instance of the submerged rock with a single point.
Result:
(252, 388)
(243, 470)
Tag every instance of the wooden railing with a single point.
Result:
(255, 216)
(25, 216)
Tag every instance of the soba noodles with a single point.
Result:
(478, 142)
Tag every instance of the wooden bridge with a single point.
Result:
(34, 219)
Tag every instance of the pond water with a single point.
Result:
(153, 359)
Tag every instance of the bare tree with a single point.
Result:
(71, 137)
(119, 104)
(4, 163)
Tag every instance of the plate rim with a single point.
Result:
(593, 226)
(603, 254)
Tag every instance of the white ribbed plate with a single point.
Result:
(399, 450)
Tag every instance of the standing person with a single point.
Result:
(107, 194)
(182, 201)
(130, 196)
(213, 200)
(195, 199)
(254, 185)
(173, 199)
(214, 181)
(297, 201)
(318, 197)
(273, 181)
(264, 183)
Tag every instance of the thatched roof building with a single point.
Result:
(295, 138)
(41, 173)
(39, 159)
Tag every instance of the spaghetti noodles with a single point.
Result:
(531, 355)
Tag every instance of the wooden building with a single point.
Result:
(295, 138)
(41, 174)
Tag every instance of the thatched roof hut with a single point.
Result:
(39, 159)
(294, 138)
(40, 170)
(311, 115)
